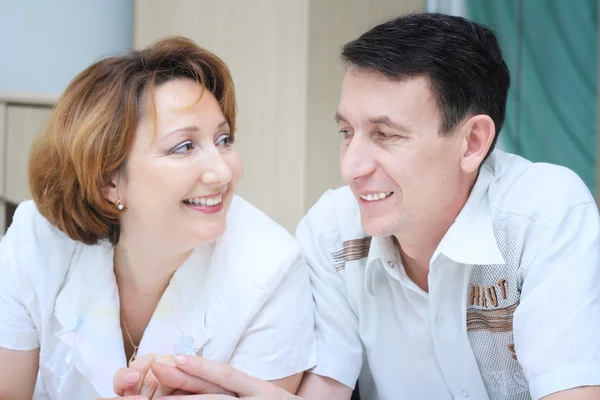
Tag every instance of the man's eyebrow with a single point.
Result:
(385, 120)
(339, 118)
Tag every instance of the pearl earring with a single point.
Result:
(120, 205)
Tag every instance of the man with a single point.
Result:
(452, 270)
(445, 269)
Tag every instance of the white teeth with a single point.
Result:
(375, 196)
(204, 202)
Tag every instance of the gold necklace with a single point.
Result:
(135, 348)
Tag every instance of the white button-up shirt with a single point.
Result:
(244, 299)
(513, 309)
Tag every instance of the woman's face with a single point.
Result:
(180, 175)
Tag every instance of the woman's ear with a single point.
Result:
(111, 189)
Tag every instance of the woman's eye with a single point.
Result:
(183, 148)
(224, 140)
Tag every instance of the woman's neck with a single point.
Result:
(145, 268)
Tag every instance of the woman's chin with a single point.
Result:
(209, 233)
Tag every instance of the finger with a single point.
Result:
(125, 398)
(124, 379)
(175, 378)
(149, 385)
(142, 366)
(220, 374)
(162, 389)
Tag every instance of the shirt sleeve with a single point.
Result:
(557, 324)
(17, 330)
(339, 349)
(280, 341)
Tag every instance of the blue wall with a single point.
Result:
(44, 44)
(551, 49)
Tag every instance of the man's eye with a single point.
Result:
(385, 135)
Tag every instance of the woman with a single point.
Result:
(134, 242)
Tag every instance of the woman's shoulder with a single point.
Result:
(251, 231)
(35, 247)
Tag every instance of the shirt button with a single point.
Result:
(440, 320)
(465, 393)
(391, 264)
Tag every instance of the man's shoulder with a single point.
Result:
(340, 199)
(252, 231)
(533, 189)
(337, 210)
(332, 228)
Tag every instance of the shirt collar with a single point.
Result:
(470, 239)
(88, 309)
(385, 250)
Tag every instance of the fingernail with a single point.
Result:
(182, 360)
(132, 377)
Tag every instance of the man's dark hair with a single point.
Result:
(461, 59)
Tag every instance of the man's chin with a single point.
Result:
(376, 228)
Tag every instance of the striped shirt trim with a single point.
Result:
(353, 250)
(496, 320)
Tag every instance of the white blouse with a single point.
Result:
(244, 299)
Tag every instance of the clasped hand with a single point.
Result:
(190, 378)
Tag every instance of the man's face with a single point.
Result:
(402, 171)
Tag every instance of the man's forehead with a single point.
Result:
(372, 97)
(362, 79)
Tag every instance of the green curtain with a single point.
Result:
(551, 48)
